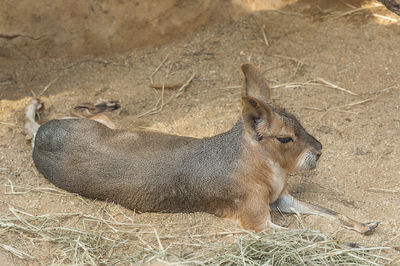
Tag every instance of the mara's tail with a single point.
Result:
(31, 114)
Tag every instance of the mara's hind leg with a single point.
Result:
(95, 111)
(288, 204)
(32, 113)
(88, 110)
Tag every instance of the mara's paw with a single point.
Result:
(369, 227)
(89, 109)
(107, 106)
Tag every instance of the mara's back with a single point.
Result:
(142, 170)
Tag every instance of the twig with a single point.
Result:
(20, 254)
(347, 4)
(182, 89)
(158, 107)
(295, 85)
(331, 85)
(315, 82)
(48, 85)
(7, 124)
(288, 13)
(290, 58)
(309, 108)
(340, 107)
(158, 68)
(166, 86)
(204, 235)
(22, 220)
(232, 87)
(109, 214)
(158, 240)
(13, 36)
(9, 79)
(388, 88)
(33, 94)
(352, 104)
(350, 12)
(85, 250)
(27, 190)
(145, 243)
(383, 190)
(385, 17)
(298, 63)
(96, 61)
(123, 214)
(265, 36)
(375, 166)
(348, 112)
(104, 222)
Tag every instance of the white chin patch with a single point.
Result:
(308, 161)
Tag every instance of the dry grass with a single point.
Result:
(161, 102)
(92, 242)
(297, 247)
(77, 238)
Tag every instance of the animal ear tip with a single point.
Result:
(248, 99)
(246, 66)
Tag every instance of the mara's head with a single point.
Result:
(275, 134)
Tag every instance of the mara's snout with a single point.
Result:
(308, 160)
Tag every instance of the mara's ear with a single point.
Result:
(254, 85)
(257, 117)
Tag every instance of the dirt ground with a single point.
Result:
(308, 42)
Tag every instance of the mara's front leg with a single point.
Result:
(288, 204)
(254, 214)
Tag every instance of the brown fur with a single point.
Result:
(240, 174)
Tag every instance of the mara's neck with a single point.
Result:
(230, 156)
(215, 157)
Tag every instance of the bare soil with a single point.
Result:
(358, 173)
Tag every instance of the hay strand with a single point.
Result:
(20, 254)
(298, 247)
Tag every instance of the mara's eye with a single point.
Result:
(285, 140)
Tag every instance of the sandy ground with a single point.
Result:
(358, 173)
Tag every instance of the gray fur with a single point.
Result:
(144, 172)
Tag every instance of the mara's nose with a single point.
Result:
(318, 154)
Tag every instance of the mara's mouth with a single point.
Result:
(307, 161)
